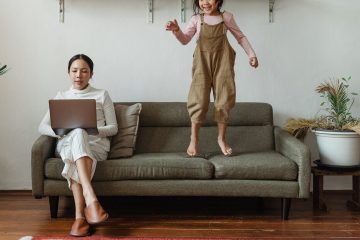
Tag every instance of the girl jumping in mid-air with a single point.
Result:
(213, 66)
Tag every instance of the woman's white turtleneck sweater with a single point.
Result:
(106, 118)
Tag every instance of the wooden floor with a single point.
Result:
(241, 218)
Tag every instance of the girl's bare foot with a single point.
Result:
(192, 149)
(226, 149)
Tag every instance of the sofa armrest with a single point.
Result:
(42, 149)
(294, 149)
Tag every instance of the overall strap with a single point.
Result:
(223, 22)
(202, 18)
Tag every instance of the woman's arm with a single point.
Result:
(45, 124)
(111, 126)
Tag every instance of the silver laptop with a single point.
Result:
(68, 114)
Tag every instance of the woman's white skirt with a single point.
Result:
(76, 145)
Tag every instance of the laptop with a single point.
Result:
(68, 114)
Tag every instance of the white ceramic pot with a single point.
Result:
(338, 148)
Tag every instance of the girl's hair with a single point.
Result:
(196, 6)
(83, 57)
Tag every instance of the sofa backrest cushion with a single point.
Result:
(176, 139)
(175, 114)
(165, 127)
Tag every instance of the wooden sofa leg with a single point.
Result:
(54, 204)
(285, 208)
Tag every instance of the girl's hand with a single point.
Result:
(254, 62)
(172, 26)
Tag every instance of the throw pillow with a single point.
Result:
(123, 143)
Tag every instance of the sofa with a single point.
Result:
(267, 162)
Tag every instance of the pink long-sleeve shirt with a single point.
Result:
(195, 23)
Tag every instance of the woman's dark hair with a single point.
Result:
(83, 57)
(196, 6)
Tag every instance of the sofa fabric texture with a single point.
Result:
(268, 165)
(143, 166)
(267, 161)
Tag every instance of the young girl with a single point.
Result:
(213, 66)
(80, 151)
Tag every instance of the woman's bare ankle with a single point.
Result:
(89, 197)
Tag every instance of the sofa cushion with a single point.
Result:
(175, 114)
(240, 138)
(268, 165)
(162, 139)
(123, 143)
(176, 139)
(165, 127)
(143, 166)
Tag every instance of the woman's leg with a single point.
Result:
(84, 165)
(194, 139)
(80, 164)
(78, 199)
(80, 227)
(225, 148)
(94, 213)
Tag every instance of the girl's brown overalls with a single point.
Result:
(213, 68)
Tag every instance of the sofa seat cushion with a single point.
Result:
(143, 166)
(268, 165)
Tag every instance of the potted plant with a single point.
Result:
(337, 132)
(3, 69)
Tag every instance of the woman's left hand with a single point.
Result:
(254, 62)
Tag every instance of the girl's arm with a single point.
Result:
(186, 36)
(111, 127)
(238, 34)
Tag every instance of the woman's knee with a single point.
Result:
(85, 159)
(79, 138)
(78, 131)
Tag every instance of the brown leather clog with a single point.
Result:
(95, 214)
(80, 228)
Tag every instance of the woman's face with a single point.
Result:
(80, 74)
(209, 7)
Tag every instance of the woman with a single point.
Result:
(80, 151)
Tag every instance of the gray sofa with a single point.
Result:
(267, 161)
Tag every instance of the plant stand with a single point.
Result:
(318, 186)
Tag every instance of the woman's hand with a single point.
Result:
(254, 62)
(172, 26)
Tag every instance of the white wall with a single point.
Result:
(310, 41)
